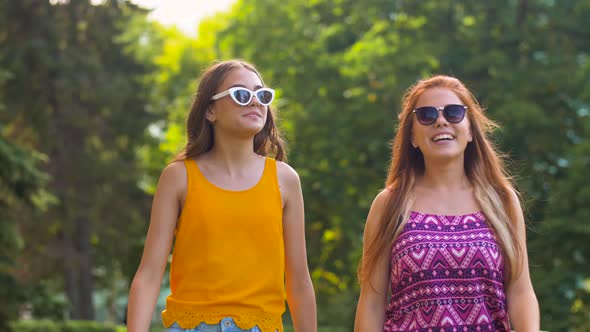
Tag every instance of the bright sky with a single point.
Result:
(185, 14)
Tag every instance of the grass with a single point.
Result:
(321, 329)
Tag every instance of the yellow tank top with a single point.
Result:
(228, 258)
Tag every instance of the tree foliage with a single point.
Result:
(76, 94)
(100, 75)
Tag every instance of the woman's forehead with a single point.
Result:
(437, 97)
(242, 76)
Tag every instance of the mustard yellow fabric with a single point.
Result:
(228, 257)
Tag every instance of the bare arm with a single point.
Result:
(148, 278)
(370, 311)
(523, 307)
(300, 293)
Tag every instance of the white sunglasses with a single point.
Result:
(243, 96)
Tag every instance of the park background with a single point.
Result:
(93, 98)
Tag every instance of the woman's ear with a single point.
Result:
(412, 141)
(210, 115)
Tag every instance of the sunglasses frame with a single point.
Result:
(253, 94)
(442, 109)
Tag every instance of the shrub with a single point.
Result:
(64, 326)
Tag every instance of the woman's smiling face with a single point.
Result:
(441, 139)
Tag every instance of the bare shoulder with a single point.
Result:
(289, 183)
(516, 203)
(378, 208)
(174, 177)
(380, 201)
(515, 198)
(287, 175)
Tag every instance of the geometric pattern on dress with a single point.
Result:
(447, 274)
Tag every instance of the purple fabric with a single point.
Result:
(447, 275)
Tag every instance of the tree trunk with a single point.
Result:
(85, 268)
(70, 271)
(522, 11)
(77, 269)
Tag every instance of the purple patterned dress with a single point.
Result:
(447, 275)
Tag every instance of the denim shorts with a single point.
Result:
(225, 325)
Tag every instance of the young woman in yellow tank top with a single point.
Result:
(235, 216)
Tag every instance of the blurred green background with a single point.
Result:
(93, 99)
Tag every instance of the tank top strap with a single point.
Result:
(192, 174)
(191, 171)
(270, 176)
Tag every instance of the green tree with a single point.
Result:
(21, 189)
(22, 194)
(76, 95)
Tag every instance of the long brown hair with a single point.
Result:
(199, 130)
(484, 167)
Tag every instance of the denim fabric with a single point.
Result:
(225, 325)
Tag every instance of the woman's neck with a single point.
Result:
(445, 175)
(232, 154)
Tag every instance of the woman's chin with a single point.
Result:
(250, 131)
(444, 155)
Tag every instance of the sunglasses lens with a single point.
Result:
(426, 115)
(265, 97)
(454, 113)
(242, 96)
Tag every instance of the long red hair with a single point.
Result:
(484, 167)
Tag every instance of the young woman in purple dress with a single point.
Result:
(444, 244)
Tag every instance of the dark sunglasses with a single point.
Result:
(453, 113)
(243, 96)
